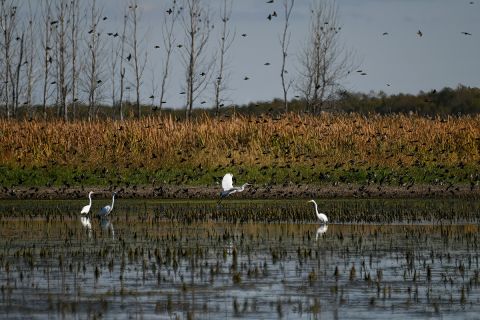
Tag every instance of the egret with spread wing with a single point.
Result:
(228, 188)
(321, 216)
(86, 209)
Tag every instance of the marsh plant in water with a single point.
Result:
(142, 261)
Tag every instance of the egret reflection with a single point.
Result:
(107, 226)
(321, 230)
(87, 224)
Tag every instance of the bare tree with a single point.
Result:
(95, 60)
(169, 23)
(60, 34)
(16, 76)
(324, 62)
(226, 41)
(196, 25)
(138, 62)
(122, 67)
(74, 17)
(114, 56)
(8, 12)
(30, 58)
(47, 57)
(285, 42)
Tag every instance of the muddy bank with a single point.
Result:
(260, 192)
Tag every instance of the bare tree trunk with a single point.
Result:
(94, 60)
(168, 41)
(47, 12)
(285, 41)
(138, 64)
(122, 67)
(8, 10)
(74, 30)
(226, 40)
(16, 86)
(61, 42)
(113, 68)
(197, 28)
(30, 59)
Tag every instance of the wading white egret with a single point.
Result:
(228, 188)
(105, 211)
(86, 209)
(321, 216)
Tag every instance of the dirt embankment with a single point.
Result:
(257, 192)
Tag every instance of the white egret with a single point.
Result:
(321, 216)
(86, 209)
(105, 211)
(228, 188)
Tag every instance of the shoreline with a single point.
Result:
(262, 192)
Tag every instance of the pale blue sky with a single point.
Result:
(442, 57)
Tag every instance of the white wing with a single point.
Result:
(86, 209)
(227, 182)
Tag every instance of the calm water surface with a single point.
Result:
(154, 259)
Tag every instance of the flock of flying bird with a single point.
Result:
(228, 189)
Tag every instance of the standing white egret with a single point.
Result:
(105, 211)
(228, 188)
(321, 216)
(86, 209)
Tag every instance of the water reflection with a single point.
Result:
(107, 226)
(87, 224)
(321, 230)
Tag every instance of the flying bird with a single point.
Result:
(246, 78)
(269, 17)
(419, 33)
(270, 1)
(466, 33)
(228, 188)
(244, 34)
(266, 64)
(385, 34)
(129, 57)
(86, 209)
(105, 211)
(157, 47)
(169, 11)
(321, 216)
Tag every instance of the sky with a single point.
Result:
(400, 62)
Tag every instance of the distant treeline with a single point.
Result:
(447, 101)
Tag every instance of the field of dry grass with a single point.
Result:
(293, 148)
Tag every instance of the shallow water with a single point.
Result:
(150, 261)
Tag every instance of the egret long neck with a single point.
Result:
(316, 209)
(90, 198)
(113, 200)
